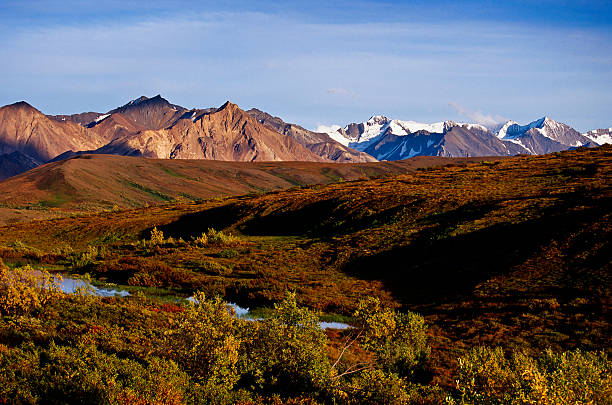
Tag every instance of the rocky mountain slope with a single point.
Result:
(26, 130)
(153, 127)
(319, 143)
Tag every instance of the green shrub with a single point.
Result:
(489, 376)
(203, 343)
(215, 268)
(85, 375)
(398, 340)
(285, 354)
(229, 253)
(219, 237)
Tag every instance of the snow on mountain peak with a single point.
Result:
(512, 130)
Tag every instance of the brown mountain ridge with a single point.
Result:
(155, 128)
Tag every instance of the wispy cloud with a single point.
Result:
(307, 70)
(477, 116)
(341, 92)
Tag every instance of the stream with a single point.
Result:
(71, 285)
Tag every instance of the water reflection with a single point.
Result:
(71, 285)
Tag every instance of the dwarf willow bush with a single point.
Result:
(213, 236)
(286, 353)
(24, 289)
(491, 376)
(399, 340)
(203, 341)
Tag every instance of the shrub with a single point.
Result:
(201, 240)
(157, 237)
(215, 268)
(219, 237)
(286, 353)
(398, 340)
(203, 342)
(489, 376)
(87, 258)
(229, 253)
(25, 289)
(84, 374)
(374, 386)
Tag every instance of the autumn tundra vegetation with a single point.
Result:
(471, 283)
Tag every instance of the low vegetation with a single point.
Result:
(483, 283)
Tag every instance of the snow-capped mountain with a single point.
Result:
(542, 136)
(600, 136)
(390, 139)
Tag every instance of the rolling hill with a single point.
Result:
(86, 183)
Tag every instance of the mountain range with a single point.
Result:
(155, 128)
(389, 139)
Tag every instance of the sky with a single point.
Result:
(316, 62)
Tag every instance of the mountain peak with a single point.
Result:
(378, 119)
(228, 105)
(22, 106)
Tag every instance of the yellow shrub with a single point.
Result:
(25, 289)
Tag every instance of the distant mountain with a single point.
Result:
(319, 143)
(227, 133)
(388, 139)
(26, 130)
(600, 136)
(542, 136)
(153, 127)
(150, 113)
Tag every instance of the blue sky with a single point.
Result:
(315, 62)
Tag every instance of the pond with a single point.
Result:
(70, 285)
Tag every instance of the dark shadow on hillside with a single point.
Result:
(316, 219)
(194, 224)
(437, 267)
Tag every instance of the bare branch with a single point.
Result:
(346, 346)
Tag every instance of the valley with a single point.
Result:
(512, 252)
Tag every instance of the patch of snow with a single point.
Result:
(512, 130)
(474, 126)
(332, 131)
(397, 129)
(413, 152)
(413, 126)
(102, 117)
(193, 116)
(429, 143)
(599, 139)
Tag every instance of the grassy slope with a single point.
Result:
(515, 252)
(90, 183)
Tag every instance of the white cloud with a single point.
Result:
(477, 116)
